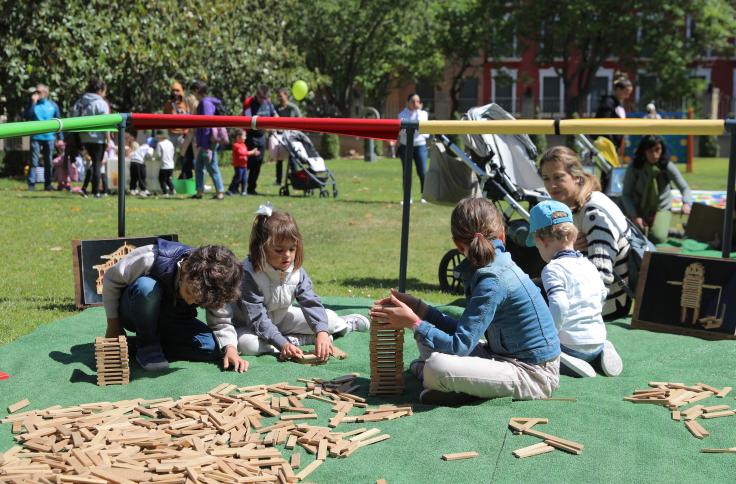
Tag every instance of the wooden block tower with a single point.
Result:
(387, 360)
(111, 356)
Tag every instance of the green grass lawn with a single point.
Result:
(352, 243)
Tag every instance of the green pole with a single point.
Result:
(103, 122)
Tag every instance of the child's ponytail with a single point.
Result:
(475, 222)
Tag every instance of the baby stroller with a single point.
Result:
(499, 167)
(306, 169)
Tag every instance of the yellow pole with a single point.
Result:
(700, 127)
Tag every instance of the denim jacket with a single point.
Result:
(502, 303)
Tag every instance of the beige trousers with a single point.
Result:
(293, 323)
(485, 375)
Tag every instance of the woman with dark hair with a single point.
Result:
(612, 105)
(646, 196)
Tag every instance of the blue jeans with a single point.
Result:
(208, 159)
(38, 148)
(184, 339)
(420, 161)
(240, 178)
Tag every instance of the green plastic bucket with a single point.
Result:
(185, 187)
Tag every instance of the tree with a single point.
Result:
(139, 47)
(575, 37)
(360, 45)
(464, 31)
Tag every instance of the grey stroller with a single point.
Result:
(499, 167)
(306, 169)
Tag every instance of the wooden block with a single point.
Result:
(460, 455)
(676, 415)
(322, 450)
(299, 416)
(724, 392)
(561, 446)
(295, 460)
(532, 450)
(545, 436)
(374, 440)
(18, 405)
(696, 429)
(700, 396)
(381, 481)
(715, 408)
(723, 413)
(309, 469)
(730, 450)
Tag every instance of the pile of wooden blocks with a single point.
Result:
(219, 436)
(550, 442)
(675, 395)
(111, 356)
(387, 360)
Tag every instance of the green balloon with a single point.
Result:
(299, 90)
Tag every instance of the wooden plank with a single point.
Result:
(309, 469)
(18, 405)
(532, 450)
(460, 455)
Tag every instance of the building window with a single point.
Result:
(646, 90)
(425, 90)
(551, 92)
(503, 88)
(468, 97)
(600, 87)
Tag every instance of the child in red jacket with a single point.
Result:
(240, 164)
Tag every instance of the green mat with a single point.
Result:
(623, 441)
(691, 247)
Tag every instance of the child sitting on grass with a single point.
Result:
(521, 356)
(240, 156)
(575, 291)
(154, 292)
(274, 278)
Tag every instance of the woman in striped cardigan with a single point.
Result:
(601, 223)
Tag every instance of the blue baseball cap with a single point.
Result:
(541, 216)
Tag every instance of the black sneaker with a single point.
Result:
(445, 399)
(83, 193)
(196, 197)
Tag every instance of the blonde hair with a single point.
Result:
(574, 168)
(475, 222)
(267, 231)
(563, 231)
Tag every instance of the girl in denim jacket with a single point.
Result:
(505, 343)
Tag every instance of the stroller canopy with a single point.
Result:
(516, 154)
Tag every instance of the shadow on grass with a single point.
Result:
(85, 354)
(412, 283)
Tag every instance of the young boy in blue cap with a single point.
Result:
(575, 291)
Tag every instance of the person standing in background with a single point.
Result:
(612, 106)
(414, 112)
(92, 103)
(285, 109)
(176, 104)
(255, 139)
(41, 108)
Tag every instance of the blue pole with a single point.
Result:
(409, 127)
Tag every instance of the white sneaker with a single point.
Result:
(422, 201)
(145, 193)
(301, 339)
(577, 366)
(357, 322)
(134, 192)
(611, 362)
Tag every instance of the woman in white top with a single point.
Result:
(414, 112)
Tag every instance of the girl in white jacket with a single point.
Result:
(264, 317)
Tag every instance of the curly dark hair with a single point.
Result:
(213, 275)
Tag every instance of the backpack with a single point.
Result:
(219, 135)
(638, 245)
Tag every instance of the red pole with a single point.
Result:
(690, 148)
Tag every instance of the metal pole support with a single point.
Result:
(409, 127)
(369, 145)
(728, 216)
(121, 175)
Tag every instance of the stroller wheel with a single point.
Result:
(284, 191)
(449, 281)
(324, 194)
(334, 193)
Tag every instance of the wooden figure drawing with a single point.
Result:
(693, 283)
(111, 259)
(387, 360)
(111, 356)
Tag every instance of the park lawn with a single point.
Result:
(352, 243)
